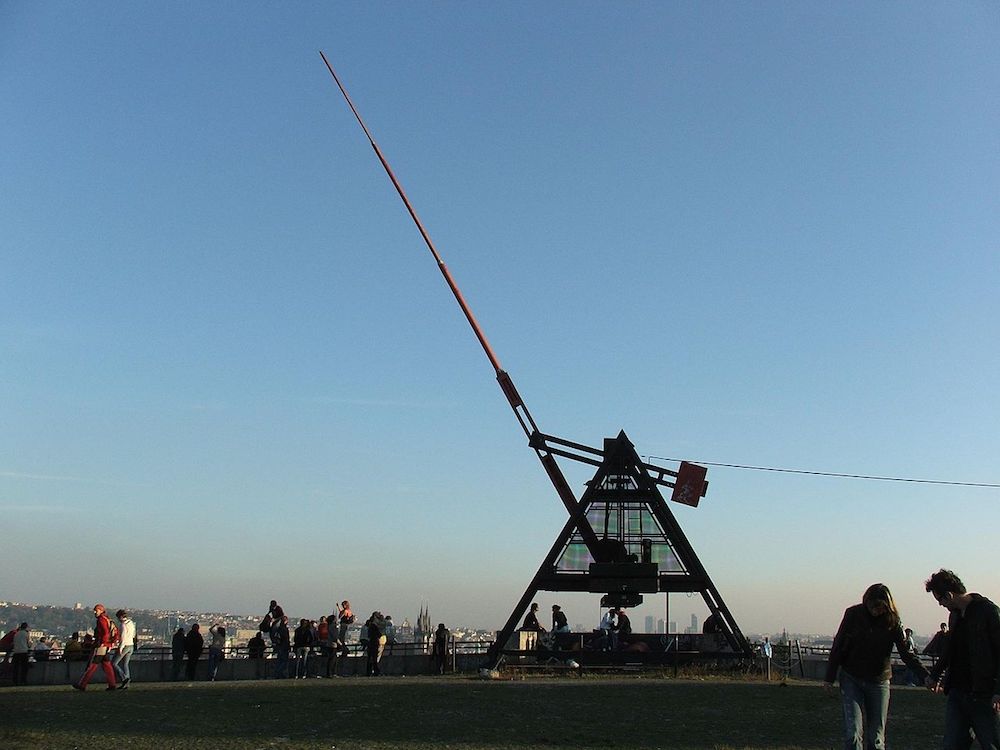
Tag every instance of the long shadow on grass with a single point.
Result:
(418, 713)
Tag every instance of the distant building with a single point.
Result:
(661, 626)
(649, 624)
(424, 631)
(673, 627)
(694, 623)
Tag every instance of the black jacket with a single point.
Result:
(177, 646)
(194, 644)
(303, 637)
(980, 634)
(863, 645)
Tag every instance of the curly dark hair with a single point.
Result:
(942, 582)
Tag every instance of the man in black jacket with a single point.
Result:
(970, 664)
(194, 644)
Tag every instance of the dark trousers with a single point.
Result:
(965, 714)
(192, 666)
(19, 666)
(373, 659)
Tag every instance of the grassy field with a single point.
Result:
(461, 713)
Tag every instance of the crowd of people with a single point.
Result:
(614, 631)
(313, 646)
(966, 650)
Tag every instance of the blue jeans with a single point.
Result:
(214, 659)
(965, 714)
(281, 662)
(121, 662)
(866, 705)
(301, 660)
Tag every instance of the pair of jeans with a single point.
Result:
(121, 663)
(301, 660)
(966, 713)
(281, 662)
(214, 660)
(866, 705)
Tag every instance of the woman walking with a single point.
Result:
(126, 645)
(861, 651)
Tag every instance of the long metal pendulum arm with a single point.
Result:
(506, 384)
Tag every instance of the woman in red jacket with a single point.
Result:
(104, 640)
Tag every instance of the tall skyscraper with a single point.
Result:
(694, 623)
(673, 627)
(661, 626)
(649, 623)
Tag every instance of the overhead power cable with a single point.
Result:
(833, 474)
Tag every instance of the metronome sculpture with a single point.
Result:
(620, 540)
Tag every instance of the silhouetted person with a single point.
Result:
(531, 620)
(177, 654)
(194, 644)
(256, 647)
(970, 664)
(439, 654)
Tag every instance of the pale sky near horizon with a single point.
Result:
(758, 233)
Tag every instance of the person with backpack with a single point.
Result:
(105, 637)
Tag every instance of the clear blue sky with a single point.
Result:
(761, 233)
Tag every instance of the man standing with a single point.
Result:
(282, 645)
(177, 654)
(194, 644)
(936, 645)
(255, 650)
(970, 664)
(19, 655)
(104, 640)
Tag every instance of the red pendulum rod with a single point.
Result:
(506, 384)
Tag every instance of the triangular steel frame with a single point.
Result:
(620, 459)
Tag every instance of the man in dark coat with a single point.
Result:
(376, 642)
(623, 628)
(970, 665)
(194, 644)
(281, 640)
(177, 654)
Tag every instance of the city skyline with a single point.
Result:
(745, 234)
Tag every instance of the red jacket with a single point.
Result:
(102, 631)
